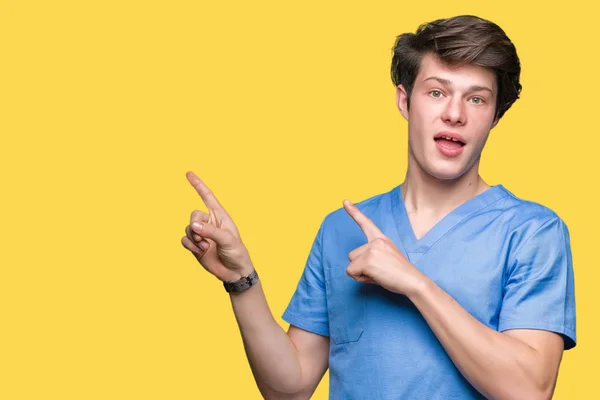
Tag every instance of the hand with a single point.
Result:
(379, 260)
(214, 239)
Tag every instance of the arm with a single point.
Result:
(539, 293)
(285, 366)
(516, 364)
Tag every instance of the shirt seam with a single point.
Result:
(562, 327)
(460, 222)
(312, 323)
(528, 238)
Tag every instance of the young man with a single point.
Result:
(443, 287)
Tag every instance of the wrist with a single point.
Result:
(240, 273)
(421, 288)
(242, 284)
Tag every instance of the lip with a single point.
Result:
(451, 135)
(446, 151)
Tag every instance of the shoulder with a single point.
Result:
(530, 223)
(523, 213)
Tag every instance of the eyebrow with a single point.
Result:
(473, 88)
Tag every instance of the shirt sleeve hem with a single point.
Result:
(567, 334)
(307, 325)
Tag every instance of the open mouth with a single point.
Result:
(448, 142)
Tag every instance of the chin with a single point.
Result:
(446, 173)
(442, 168)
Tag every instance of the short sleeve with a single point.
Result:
(308, 307)
(539, 290)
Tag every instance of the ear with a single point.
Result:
(402, 101)
(496, 120)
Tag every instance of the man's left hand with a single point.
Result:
(379, 260)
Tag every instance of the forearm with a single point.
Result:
(499, 366)
(271, 353)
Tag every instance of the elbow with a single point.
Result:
(536, 383)
(270, 393)
(275, 395)
(523, 388)
(536, 391)
(524, 395)
(546, 392)
(538, 395)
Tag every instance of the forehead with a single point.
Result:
(463, 76)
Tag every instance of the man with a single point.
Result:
(443, 287)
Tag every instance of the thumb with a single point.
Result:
(221, 237)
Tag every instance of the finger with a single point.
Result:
(220, 236)
(355, 271)
(196, 250)
(199, 216)
(368, 227)
(205, 193)
(194, 237)
(357, 252)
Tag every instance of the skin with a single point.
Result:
(513, 364)
(451, 99)
(444, 98)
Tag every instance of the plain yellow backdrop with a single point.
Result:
(284, 109)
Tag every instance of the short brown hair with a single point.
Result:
(464, 39)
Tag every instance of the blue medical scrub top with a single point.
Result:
(505, 260)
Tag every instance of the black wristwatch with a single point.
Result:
(242, 284)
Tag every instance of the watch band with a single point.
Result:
(241, 284)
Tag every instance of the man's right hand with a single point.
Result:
(285, 366)
(214, 239)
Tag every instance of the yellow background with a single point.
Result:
(284, 109)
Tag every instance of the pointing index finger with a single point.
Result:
(205, 193)
(368, 227)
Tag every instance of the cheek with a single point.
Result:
(419, 119)
(420, 125)
(481, 124)
(482, 118)
(479, 139)
(424, 109)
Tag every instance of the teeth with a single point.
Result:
(449, 138)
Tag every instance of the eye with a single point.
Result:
(435, 94)
(477, 100)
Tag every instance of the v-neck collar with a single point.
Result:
(416, 247)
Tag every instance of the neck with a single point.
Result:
(423, 193)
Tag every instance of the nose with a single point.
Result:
(454, 112)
